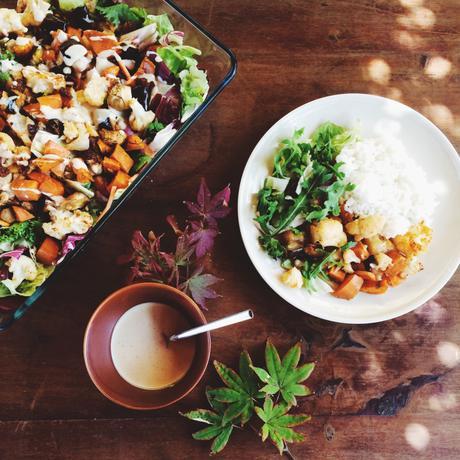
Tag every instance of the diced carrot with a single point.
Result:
(134, 142)
(47, 164)
(38, 176)
(119, 154)
(73, 32)
(336, 274)
(99, 41)
(120, 181)
(25, 190)
(112, 70)
(22, 214)
(349, 288)
(48, 251)
(374, 287)
(360, 251)
(54, 101)
(366, 276)
(83, 175)
(54, 148)
(103, 147)
(52, 186)
(111, 165)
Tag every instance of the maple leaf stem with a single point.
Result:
(288, 453)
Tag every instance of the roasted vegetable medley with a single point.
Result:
(305, 224)
(89, 92)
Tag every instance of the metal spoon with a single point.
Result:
(223, 322)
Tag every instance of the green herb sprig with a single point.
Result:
(252, 398)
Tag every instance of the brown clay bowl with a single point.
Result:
(98, 359)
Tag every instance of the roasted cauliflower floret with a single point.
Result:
(74, 201)
(96, 89)
(41, 81)
(81, 142)
(64, 222)
(383, 261)
(377, 244)
(139, 118)
(292, 278)
(35, 12)
(328, 232)
(11, 22)
(22, 46)
(113, 137)
(365, 227)
(415, 241)
(22, 268)
(120, 97)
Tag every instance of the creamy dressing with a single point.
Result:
(140, 351)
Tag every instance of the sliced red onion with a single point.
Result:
(129, 131)
(175, 36)
(16, 253)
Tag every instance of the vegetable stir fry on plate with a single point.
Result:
(306, 219)
(89, 92)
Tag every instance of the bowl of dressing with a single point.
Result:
(127, 352)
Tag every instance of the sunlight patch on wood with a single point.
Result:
(417, 436)
(438, 67)
(408, 39)
(411, 3)
(418, 17)
(379, 71)
(442, 402)
(448, 353)
(442, 116)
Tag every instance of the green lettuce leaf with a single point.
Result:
(194, 88)
(121, 12)
(27, 288)
(162, 21)
(178, 57)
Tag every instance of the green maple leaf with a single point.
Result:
(284, 376)
(240, 392)
(277, 423)
(219, 429)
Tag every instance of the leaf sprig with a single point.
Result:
(256, 391)
(184, 267)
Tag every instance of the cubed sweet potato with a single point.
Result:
(54, 148)
(22, 214)
(52, 187)
(53, 100)
(120, 181)
(38, 176)
(120, 155)
(48, 251)
(99, 41)
(349, 288)
(25, 189)
(111, 165)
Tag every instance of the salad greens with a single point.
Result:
(121, 13)
(25, 233)
(306, 186)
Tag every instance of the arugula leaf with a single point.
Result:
(293, 156)
(178, 57)
(121, 12)
(241, 390)
(219, 430)
(277, 424)
(284, 376)
(328, 140)
(272, 245)
(162, 21)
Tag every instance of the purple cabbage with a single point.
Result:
(69, 245)
(16, 253)
(169, 106)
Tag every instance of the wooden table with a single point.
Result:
(376, 385)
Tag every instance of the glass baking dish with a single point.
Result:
(220, 64)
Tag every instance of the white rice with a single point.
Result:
(388, 183)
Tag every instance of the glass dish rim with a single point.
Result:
(19, 312)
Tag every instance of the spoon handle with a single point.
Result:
(223, 322)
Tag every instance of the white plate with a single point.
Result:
(425, 142)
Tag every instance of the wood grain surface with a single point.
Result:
(383, 391)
